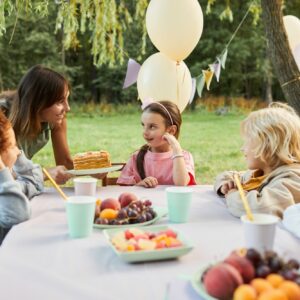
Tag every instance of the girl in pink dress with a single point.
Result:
(161, 160)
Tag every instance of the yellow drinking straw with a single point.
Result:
(55, 184)
(243, 197)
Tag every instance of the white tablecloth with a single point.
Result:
(38, 260)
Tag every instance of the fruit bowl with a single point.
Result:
(159, 213)
(248, 272)
(142, 255)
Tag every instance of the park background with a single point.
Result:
(105, 116)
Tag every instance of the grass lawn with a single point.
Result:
(213, 140)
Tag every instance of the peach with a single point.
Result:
(221, 280)
(242, 264)
(126, 198)
(110, 203)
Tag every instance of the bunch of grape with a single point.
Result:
(271, 262)
(136, 212)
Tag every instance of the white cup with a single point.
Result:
(260, 233)
(85, 186)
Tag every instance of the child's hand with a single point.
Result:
(148, 182)
(173, 142)
(225, 188)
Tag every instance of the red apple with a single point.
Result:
(126, 198)
(110, 203)
(221, 280)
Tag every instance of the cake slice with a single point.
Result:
(91, 160)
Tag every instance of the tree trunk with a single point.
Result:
(280, 53)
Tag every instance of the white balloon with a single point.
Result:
(161, 78)
(174, 26)
(296, 54)
(292, 27)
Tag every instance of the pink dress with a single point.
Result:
(158, 165)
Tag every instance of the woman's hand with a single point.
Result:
(228, 186)
(148, 182)
(59, 174)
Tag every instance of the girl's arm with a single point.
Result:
(60, 145)
(180, 173)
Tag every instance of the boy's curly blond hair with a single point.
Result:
(4, 126)
(276, 129)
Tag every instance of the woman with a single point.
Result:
(37, 111)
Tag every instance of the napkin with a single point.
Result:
(179, 289)
(291, 219)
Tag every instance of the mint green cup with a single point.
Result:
(80, 215)
(179, 203)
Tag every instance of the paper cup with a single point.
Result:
(80, 215)
(85, 186)
(260, 233)
(179, 202)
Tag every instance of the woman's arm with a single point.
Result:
(60, 145)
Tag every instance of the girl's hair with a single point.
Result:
(39, 89)
(277, 132)
(4, 126)
(166, 109)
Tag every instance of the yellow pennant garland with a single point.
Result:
(214, 69)
(208, 75)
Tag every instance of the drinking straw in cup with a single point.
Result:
(243, 197)
(55, 184)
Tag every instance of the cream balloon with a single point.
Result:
(296, 54)
(292, 27)
(161, 78)
(174, 26)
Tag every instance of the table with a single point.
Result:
(38, 260)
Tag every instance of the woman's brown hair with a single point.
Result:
(39, 89)
(4, 127)
(171, 115)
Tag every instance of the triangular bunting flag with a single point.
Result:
(208, 75)
(200, 81)
(193, 90)
(216, 67)
(223, 58)
(133, 69)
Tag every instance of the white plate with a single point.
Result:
(95, 171)
(160, 212)
(150, 255)
(199, 286)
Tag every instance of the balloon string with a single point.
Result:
(177, 88)
(237, 29)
